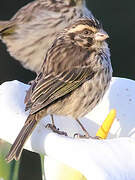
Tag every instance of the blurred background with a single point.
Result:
(118, 19)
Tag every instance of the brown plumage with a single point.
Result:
(33, 28)
(73, 78)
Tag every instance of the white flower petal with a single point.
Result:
(104, 160)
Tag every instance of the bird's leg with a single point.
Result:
(85, 131)
(53, 127)
(52, 119)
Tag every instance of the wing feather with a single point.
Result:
(52, 88)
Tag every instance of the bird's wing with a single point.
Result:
(6, 27)
(51, 88)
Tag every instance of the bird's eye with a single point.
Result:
(86, 32)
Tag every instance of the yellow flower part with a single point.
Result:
(106, 126)
(68, 173)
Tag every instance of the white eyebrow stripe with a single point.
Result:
(81, 27)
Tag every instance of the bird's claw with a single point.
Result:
(56, 130)
(86, 136)
(77, 135)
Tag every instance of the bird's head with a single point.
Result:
(76, 2)
(87, 33)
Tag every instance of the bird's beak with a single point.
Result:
(101, 35)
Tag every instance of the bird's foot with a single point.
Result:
(56, 130)
(86, 136)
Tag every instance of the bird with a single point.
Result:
(73, 78)
(30, 32)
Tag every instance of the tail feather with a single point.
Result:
(26, 131)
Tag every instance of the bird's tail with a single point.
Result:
(25, 132)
